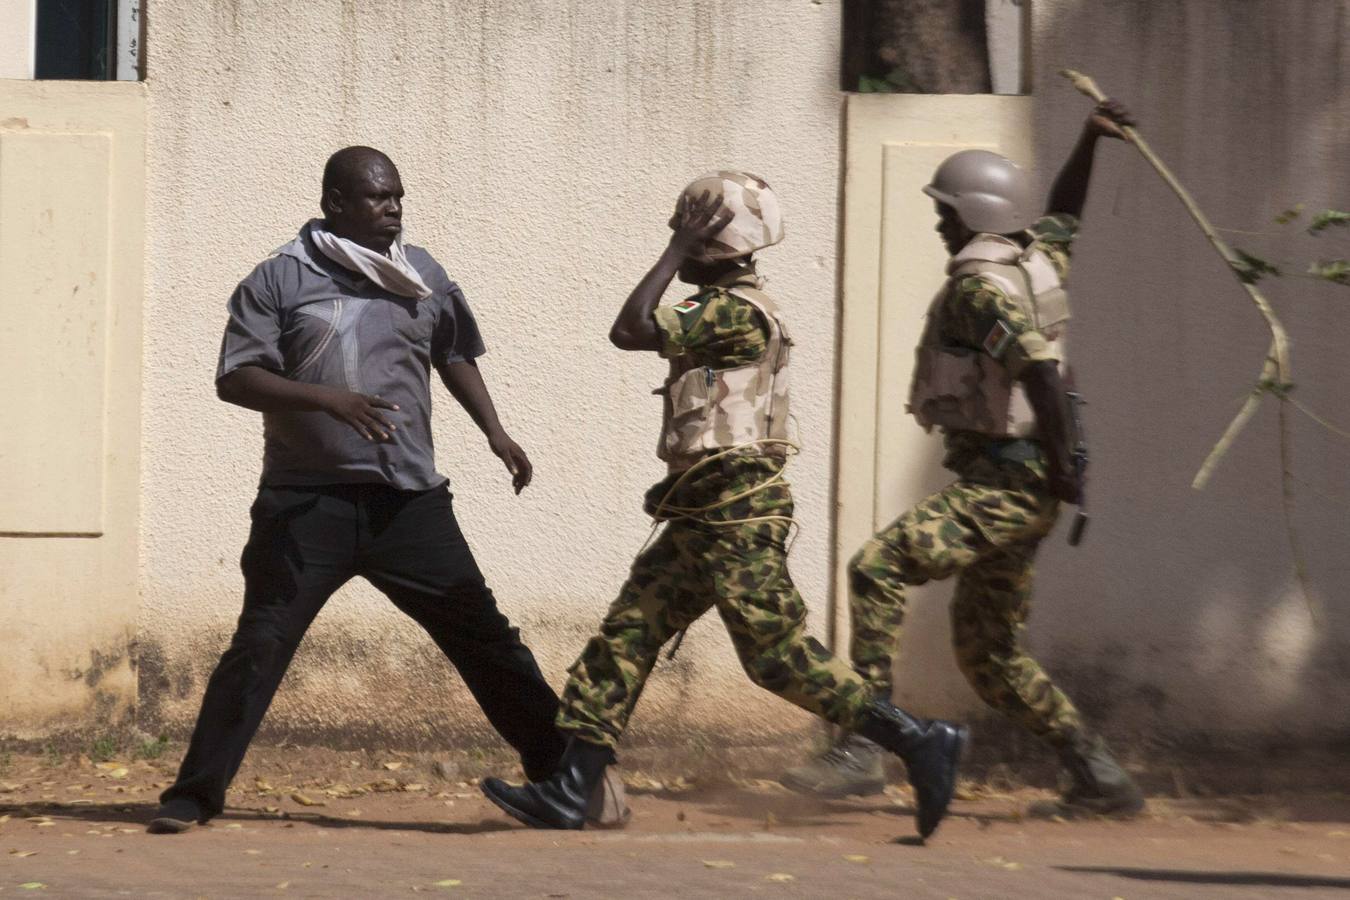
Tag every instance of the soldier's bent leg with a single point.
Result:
(660, 597)
(765, 617)
(934, 539)
(928, 542)
(988, 615)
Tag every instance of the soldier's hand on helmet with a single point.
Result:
(695, 221)
(1109, 118)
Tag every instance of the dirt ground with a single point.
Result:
(328, 824)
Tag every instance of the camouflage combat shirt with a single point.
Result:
(717, 329)
(974, 307)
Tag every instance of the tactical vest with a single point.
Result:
(718, 409)
(958, 388)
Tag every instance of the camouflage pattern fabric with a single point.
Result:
(756, 222)
(984, 528)
(978, 340)
(728, 382)
(694, 566)
(742, 571)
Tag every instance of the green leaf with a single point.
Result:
(1336, 271)
(1289, 214)
(1250, 269)
(901, 81)
(868, 84)
(1328, 218)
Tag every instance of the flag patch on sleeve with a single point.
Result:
(687, 306)
(998, 339)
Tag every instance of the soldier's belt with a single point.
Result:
(1016, 450)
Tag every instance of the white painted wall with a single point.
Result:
(542, 145)
(1178, 613)
(17, 45)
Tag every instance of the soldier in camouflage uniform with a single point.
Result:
(987, 373)
(727, 511)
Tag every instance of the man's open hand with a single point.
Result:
(517, 463)
(697, 220)
(361, 411)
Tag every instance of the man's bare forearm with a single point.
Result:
(1045, 392)
(635, 327)
(254, 387)
(1069, 193)
(465, 382)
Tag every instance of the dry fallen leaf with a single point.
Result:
(781, 877)
(23, 853)
(448, 882)
(283, 885)
(393, 766)
(253, 852)
(857, 858)
(719, 864)
(305, 801)
(33, 886)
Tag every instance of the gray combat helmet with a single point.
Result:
(989, 192)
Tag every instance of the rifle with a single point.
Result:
(1079, 454)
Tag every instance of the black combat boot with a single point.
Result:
(560, 800)
(1097, 783)
(931, 751)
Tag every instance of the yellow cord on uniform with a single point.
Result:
(666, 512)
(698, 513)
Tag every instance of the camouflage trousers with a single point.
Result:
(985, 531)
(742, 571)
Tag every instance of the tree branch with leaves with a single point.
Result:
(1276, 376)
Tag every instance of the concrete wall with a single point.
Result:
(72, 169)
(1179, 612)
(542, 145)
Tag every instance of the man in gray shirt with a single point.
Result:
(333, 339)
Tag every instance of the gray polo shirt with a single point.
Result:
(303, 316)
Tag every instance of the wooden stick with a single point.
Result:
(1282, 375)
(1276, 376)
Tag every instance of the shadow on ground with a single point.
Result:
(1246, 879)
(140, 813)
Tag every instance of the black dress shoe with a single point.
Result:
(176, 816)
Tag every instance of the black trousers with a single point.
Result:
(306, 543)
